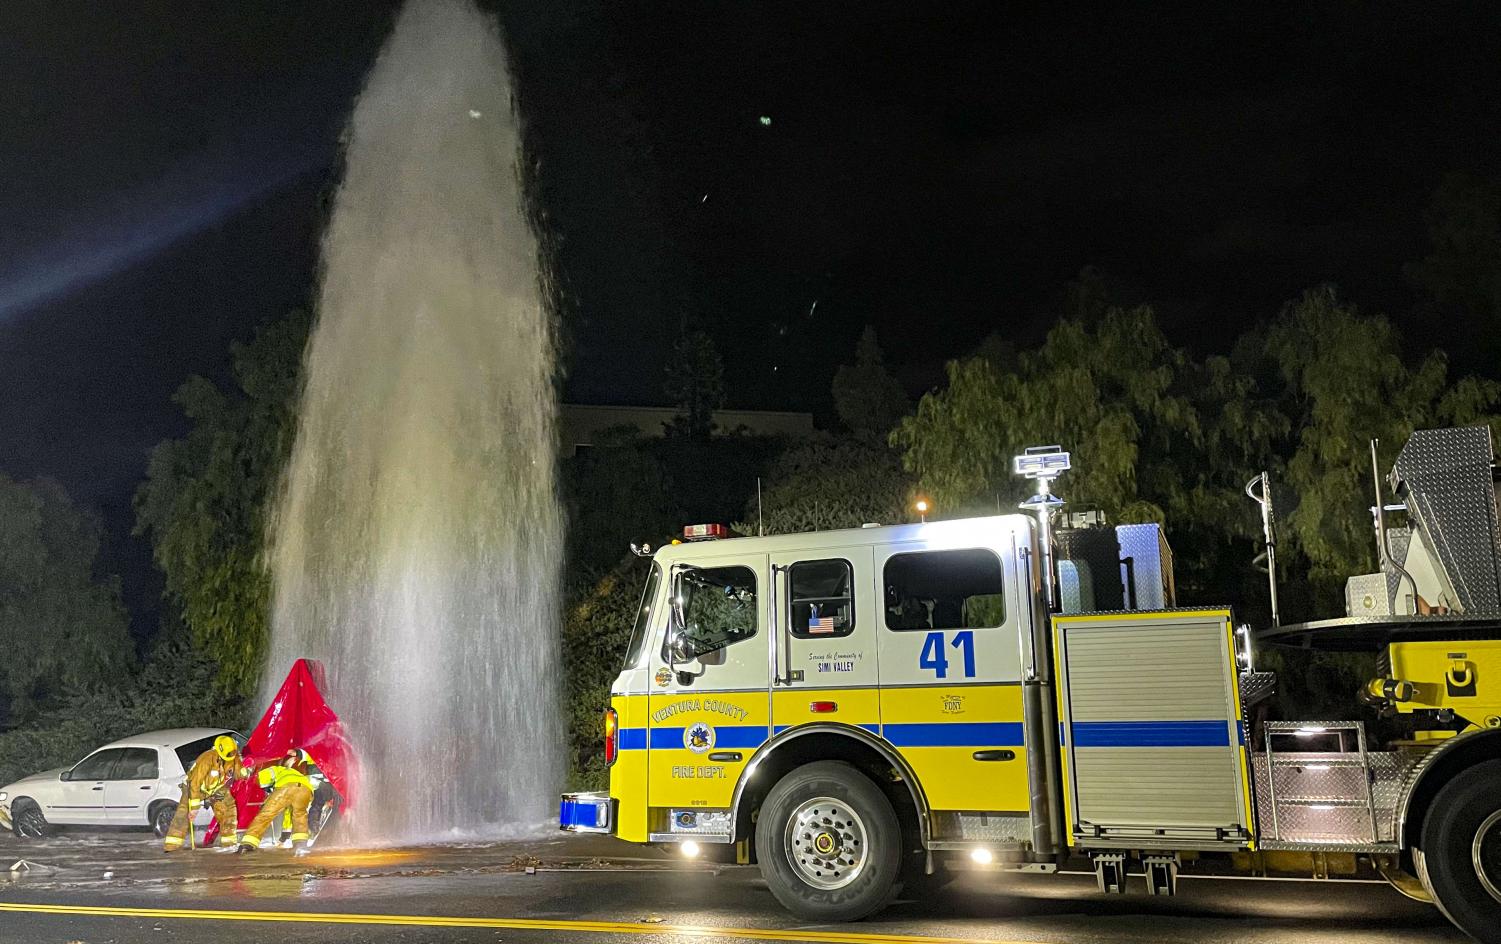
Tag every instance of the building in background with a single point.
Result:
(582, 425)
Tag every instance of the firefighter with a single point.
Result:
(207, 784)
(288, 790)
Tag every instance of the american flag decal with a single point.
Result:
(821, 624)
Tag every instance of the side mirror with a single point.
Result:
(66, 775)
(677, 649)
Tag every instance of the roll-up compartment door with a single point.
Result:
(1152, 732)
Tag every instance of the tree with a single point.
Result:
(695, 383)
(1155, 436)
(596, 629)
(867, 398)
(1114, 395)
(831, 483)
(174, 689)
(1344, 379)
(206, 499)
(616, 492)
(63, 624)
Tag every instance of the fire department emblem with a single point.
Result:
(698, 737)
(663, 677)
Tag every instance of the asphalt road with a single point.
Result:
(117, 888)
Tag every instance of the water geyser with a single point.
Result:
(415, 547)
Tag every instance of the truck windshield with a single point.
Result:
(641, 632)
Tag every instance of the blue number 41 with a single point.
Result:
(933, 657)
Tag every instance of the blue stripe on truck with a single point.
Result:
(1150, 733)
(956, 734)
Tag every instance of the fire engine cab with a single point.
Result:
(860, 711)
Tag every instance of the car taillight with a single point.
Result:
(612, 739)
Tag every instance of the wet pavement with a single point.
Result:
(118, 888)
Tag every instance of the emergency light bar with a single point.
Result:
(705, 532)
(1040, 462)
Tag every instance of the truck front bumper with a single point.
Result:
(586, 813)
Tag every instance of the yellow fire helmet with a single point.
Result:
(226, 747)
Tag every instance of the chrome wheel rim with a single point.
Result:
(1485, 854)
(826, 843)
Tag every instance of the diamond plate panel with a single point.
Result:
(983, 827)
(1367, 595)
(1321, 796)
(1151, 564)
(1398, 540)
(1445, 477)
(1095, 556)
(1256, 686)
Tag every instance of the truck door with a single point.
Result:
(950, 664)
(824, 653)
(709, 707)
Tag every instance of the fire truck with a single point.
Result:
(861, 712)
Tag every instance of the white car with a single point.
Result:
(136, 781)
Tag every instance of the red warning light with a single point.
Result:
(705, 532)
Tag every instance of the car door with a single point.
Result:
(826, 625)
(709, 708)
(130, 786)
(950, 664)
(80, 798)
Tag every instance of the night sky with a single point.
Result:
(937, 170)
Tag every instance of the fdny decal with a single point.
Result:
(698, 737)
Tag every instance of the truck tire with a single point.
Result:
(1459, 858)
(829, 843)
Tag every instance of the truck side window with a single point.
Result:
(823, 602)
(719, 608)
(944, 590)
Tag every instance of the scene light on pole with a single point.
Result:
(922, 509)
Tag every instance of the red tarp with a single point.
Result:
(298, 717)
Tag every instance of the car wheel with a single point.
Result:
(829, 843)
(1459, 859)
(161, 817)
(28, 821)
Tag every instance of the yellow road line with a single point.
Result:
(510, 924)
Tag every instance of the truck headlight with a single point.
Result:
(4, 796)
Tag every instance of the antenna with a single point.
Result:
(760, 524)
